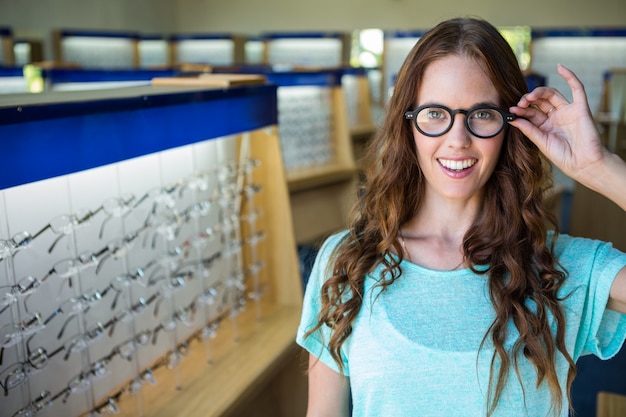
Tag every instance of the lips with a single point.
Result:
(457, 165)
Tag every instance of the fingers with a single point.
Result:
(544, 99)
(577, 87)
(540, 105)
(537, 111)
(548, 99)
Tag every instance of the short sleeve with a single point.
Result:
(316, 342)
(593, 265)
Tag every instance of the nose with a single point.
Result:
(458, 136)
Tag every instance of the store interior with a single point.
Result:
(171, 167)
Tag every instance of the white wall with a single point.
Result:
(36, 18)
(253, 16)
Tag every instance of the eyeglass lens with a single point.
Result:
(481, 122)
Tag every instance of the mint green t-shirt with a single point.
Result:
(414, 348)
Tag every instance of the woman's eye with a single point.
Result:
(436, 114)
(482, 114)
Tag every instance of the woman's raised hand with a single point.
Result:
(565, 132)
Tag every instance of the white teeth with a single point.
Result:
(457, 165)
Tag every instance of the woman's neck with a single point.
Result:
(433, 238)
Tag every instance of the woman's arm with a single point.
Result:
(329, 391)
(566, 133)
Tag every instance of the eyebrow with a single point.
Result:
(475, 105)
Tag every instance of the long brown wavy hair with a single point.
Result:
(508, 234)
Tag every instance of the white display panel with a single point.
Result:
(99, 52)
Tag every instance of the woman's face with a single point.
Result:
(457, 164)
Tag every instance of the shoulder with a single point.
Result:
(585, 257)
(330, 245)
(324, 256)
(568, 248)
(334, 240)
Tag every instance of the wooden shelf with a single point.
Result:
(320, 197)
(7, 56)
(251, 348)
(239, 367)
(318, 176)
(597, 217)
(362, 131)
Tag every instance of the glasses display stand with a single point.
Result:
(12, 80)
(322, 182)
(208, 49)
(316, 147)
(73, 79)
(155, 51)
(356, 86)
(397, 45)
(27, 51)
(7, 57)
(361, 108)
(306, 49)
(96, 49)
(147, 259)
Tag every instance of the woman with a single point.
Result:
(447, 295)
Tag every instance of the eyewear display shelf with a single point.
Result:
(361, 107)
(96, 49)
(71, 79)
(147, 257)
(318, 155)
(208, 49)
(306, 49)
(12, 80)
(155, 51)
(397, 45)
(7, 58)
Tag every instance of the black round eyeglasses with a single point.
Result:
(481, 121)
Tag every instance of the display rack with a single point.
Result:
(155, 51)
(361, 108)
(254, 50)
(307, 49)
(208, 48)
(71, 79)
(397, 45)
(6, 47)
(96, 49)
(317, 147)
(326, 188)
(145, 171)
(12, 80)
(27, 51)
(358, 100)
(612, 113)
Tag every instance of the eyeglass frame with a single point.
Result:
(83, 381)
(36, 406)
(9, 247)
(17, 291)
(412, 115)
